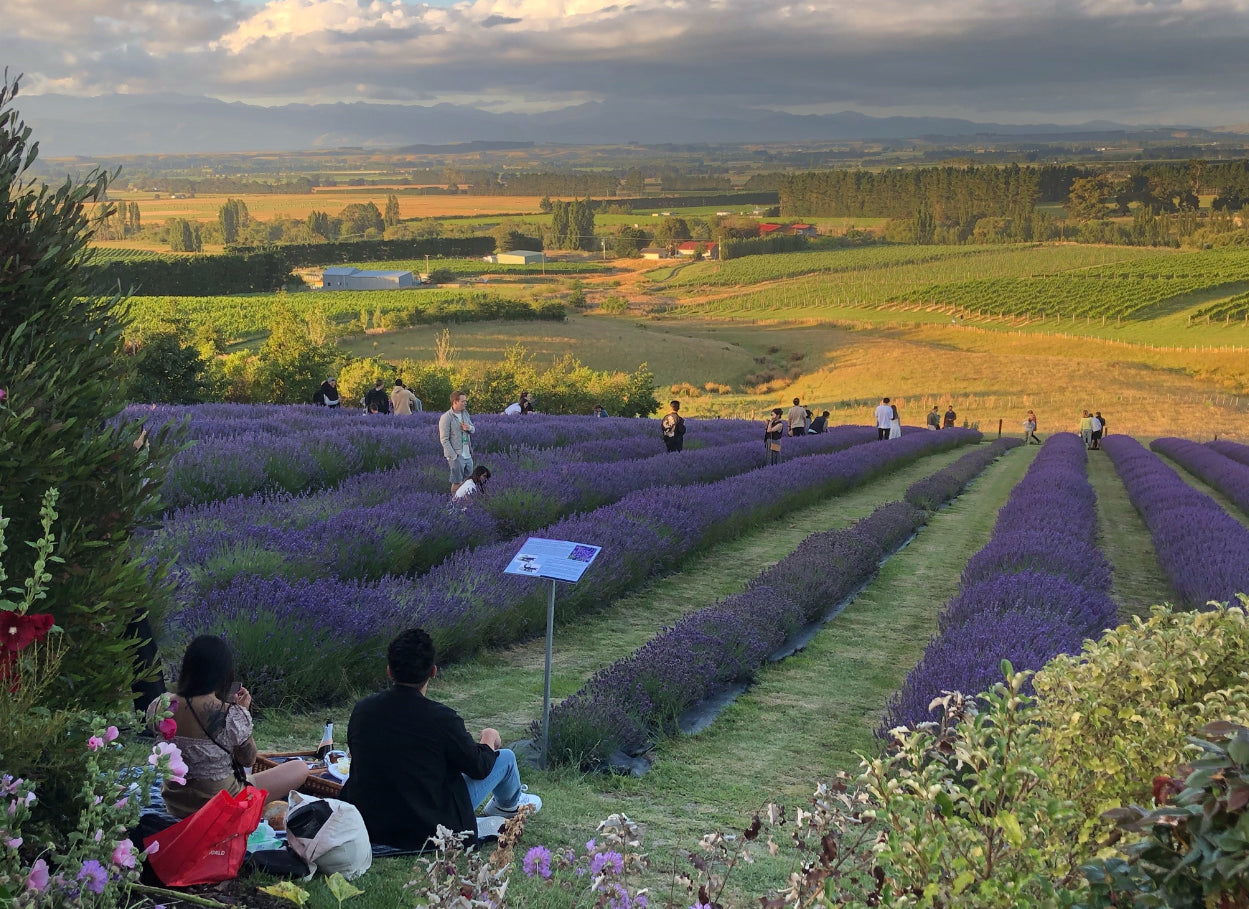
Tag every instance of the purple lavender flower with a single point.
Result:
(537, 862)
(93, 875)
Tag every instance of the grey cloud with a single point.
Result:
(1155, 61)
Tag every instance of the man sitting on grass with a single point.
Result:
(414, 765)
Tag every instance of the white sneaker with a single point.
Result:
(494, 809)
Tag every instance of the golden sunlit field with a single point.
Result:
(267, 206)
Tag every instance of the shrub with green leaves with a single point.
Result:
(1193, 851)
(59, 363)
(967, 809)
(1118, 714)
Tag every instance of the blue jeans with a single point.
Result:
(503, 782)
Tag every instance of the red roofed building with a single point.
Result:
(694, 247)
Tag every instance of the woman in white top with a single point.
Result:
(475, 483)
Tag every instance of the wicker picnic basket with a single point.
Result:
(319, 781)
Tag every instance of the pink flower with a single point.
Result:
(121, 803)
(99, 835)
(152, 847)
(95, 743)
(37, 880)
(124, 854)
(177, 766)
(14, 842)
(3, 394)
(111, 733)
(168, 728)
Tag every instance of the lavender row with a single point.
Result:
(295, 448)
(1040, 587)
(1233, 450)
(641, 697)
(1203, 550)
(936, 489)
(467, 602)
(385, 523)
(1226, 475)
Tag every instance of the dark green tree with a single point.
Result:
(59, 426)
(629, 242)
(359, 217)
(391, 218)
(166, 372)
(233, 218)
(292, 365)
(1087, 199)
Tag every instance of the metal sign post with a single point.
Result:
(554, 560)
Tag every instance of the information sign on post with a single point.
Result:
(552, 560)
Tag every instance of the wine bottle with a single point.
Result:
(327, 741)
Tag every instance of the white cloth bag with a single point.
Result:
(341, 844)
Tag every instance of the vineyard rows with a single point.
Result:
(248, 316)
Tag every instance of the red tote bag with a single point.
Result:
(209, 846)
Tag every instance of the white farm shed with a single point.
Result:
(343, 277)
(519, 257)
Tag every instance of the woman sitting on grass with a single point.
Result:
(214, 733)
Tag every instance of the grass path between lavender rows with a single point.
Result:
(1139, 581)
(804, 719)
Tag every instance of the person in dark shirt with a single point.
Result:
(377, 401)
(413, 764)
(819, 424)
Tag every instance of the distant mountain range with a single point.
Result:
(181, 124)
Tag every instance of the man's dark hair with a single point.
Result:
(824, 414)
(885, 401)
(380, 383)
(411, 657)
(675, 405)
(795, 400)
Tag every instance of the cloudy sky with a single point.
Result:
(1010, 61)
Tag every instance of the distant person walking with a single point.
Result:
(884, 416)
(797, 418)
(327, 394)
(1086, 429)
(1098, 416)
(934, 418)
(950, 417)
(773, 431)
(895, 423)
(1098, 428)
(377, 401)
(455, 427)
(672, 426)
(1029, 430)
(403, 400)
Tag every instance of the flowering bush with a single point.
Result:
(77, 853)
(599, 876)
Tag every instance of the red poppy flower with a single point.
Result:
(17, 632)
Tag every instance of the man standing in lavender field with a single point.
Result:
(672, 426)
(454, 429)
(884, 417)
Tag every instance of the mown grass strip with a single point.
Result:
(1139, 581)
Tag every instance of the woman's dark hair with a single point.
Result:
(207, 668)
(776, 411)
(480, 473)
(411, 657)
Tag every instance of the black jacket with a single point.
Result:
(407, 754)
(379, 398)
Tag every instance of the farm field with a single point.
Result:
(804, 718)
(267, 206)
